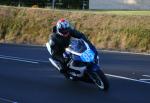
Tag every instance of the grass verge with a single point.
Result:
(121, 30)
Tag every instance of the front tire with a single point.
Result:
(100, 80)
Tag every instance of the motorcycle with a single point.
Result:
(83, 63)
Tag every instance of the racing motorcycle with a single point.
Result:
(83, 63)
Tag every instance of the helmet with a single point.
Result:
(63, 27)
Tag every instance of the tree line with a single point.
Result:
(64, 4)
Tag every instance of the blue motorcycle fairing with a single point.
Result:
(87, 56)
(76, 58)
(94, 68)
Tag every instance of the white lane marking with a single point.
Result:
(126, 78)
(27, 45)
(145, 79)
(17, 59)
(8, 100)
(147, 54)
(146, 75)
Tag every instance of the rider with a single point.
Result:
(59, 40)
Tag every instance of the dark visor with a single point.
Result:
(64, 31)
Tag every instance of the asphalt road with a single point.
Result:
(26, 76)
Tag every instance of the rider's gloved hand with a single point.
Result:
(65, 55)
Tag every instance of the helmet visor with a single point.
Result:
(64, 32)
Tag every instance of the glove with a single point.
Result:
(65, 55)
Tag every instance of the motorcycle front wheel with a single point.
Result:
(100, 80)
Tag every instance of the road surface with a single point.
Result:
(26, 76)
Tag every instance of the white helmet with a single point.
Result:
(63, 27)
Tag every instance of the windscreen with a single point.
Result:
(77, 45)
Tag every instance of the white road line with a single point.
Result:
(145, 79)
(17, 59)
(8, 100)
(147, 54)
(126, 78)
(146, 75)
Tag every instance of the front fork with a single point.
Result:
(93, 67)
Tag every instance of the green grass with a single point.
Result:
(116, 12)
(126, 12)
